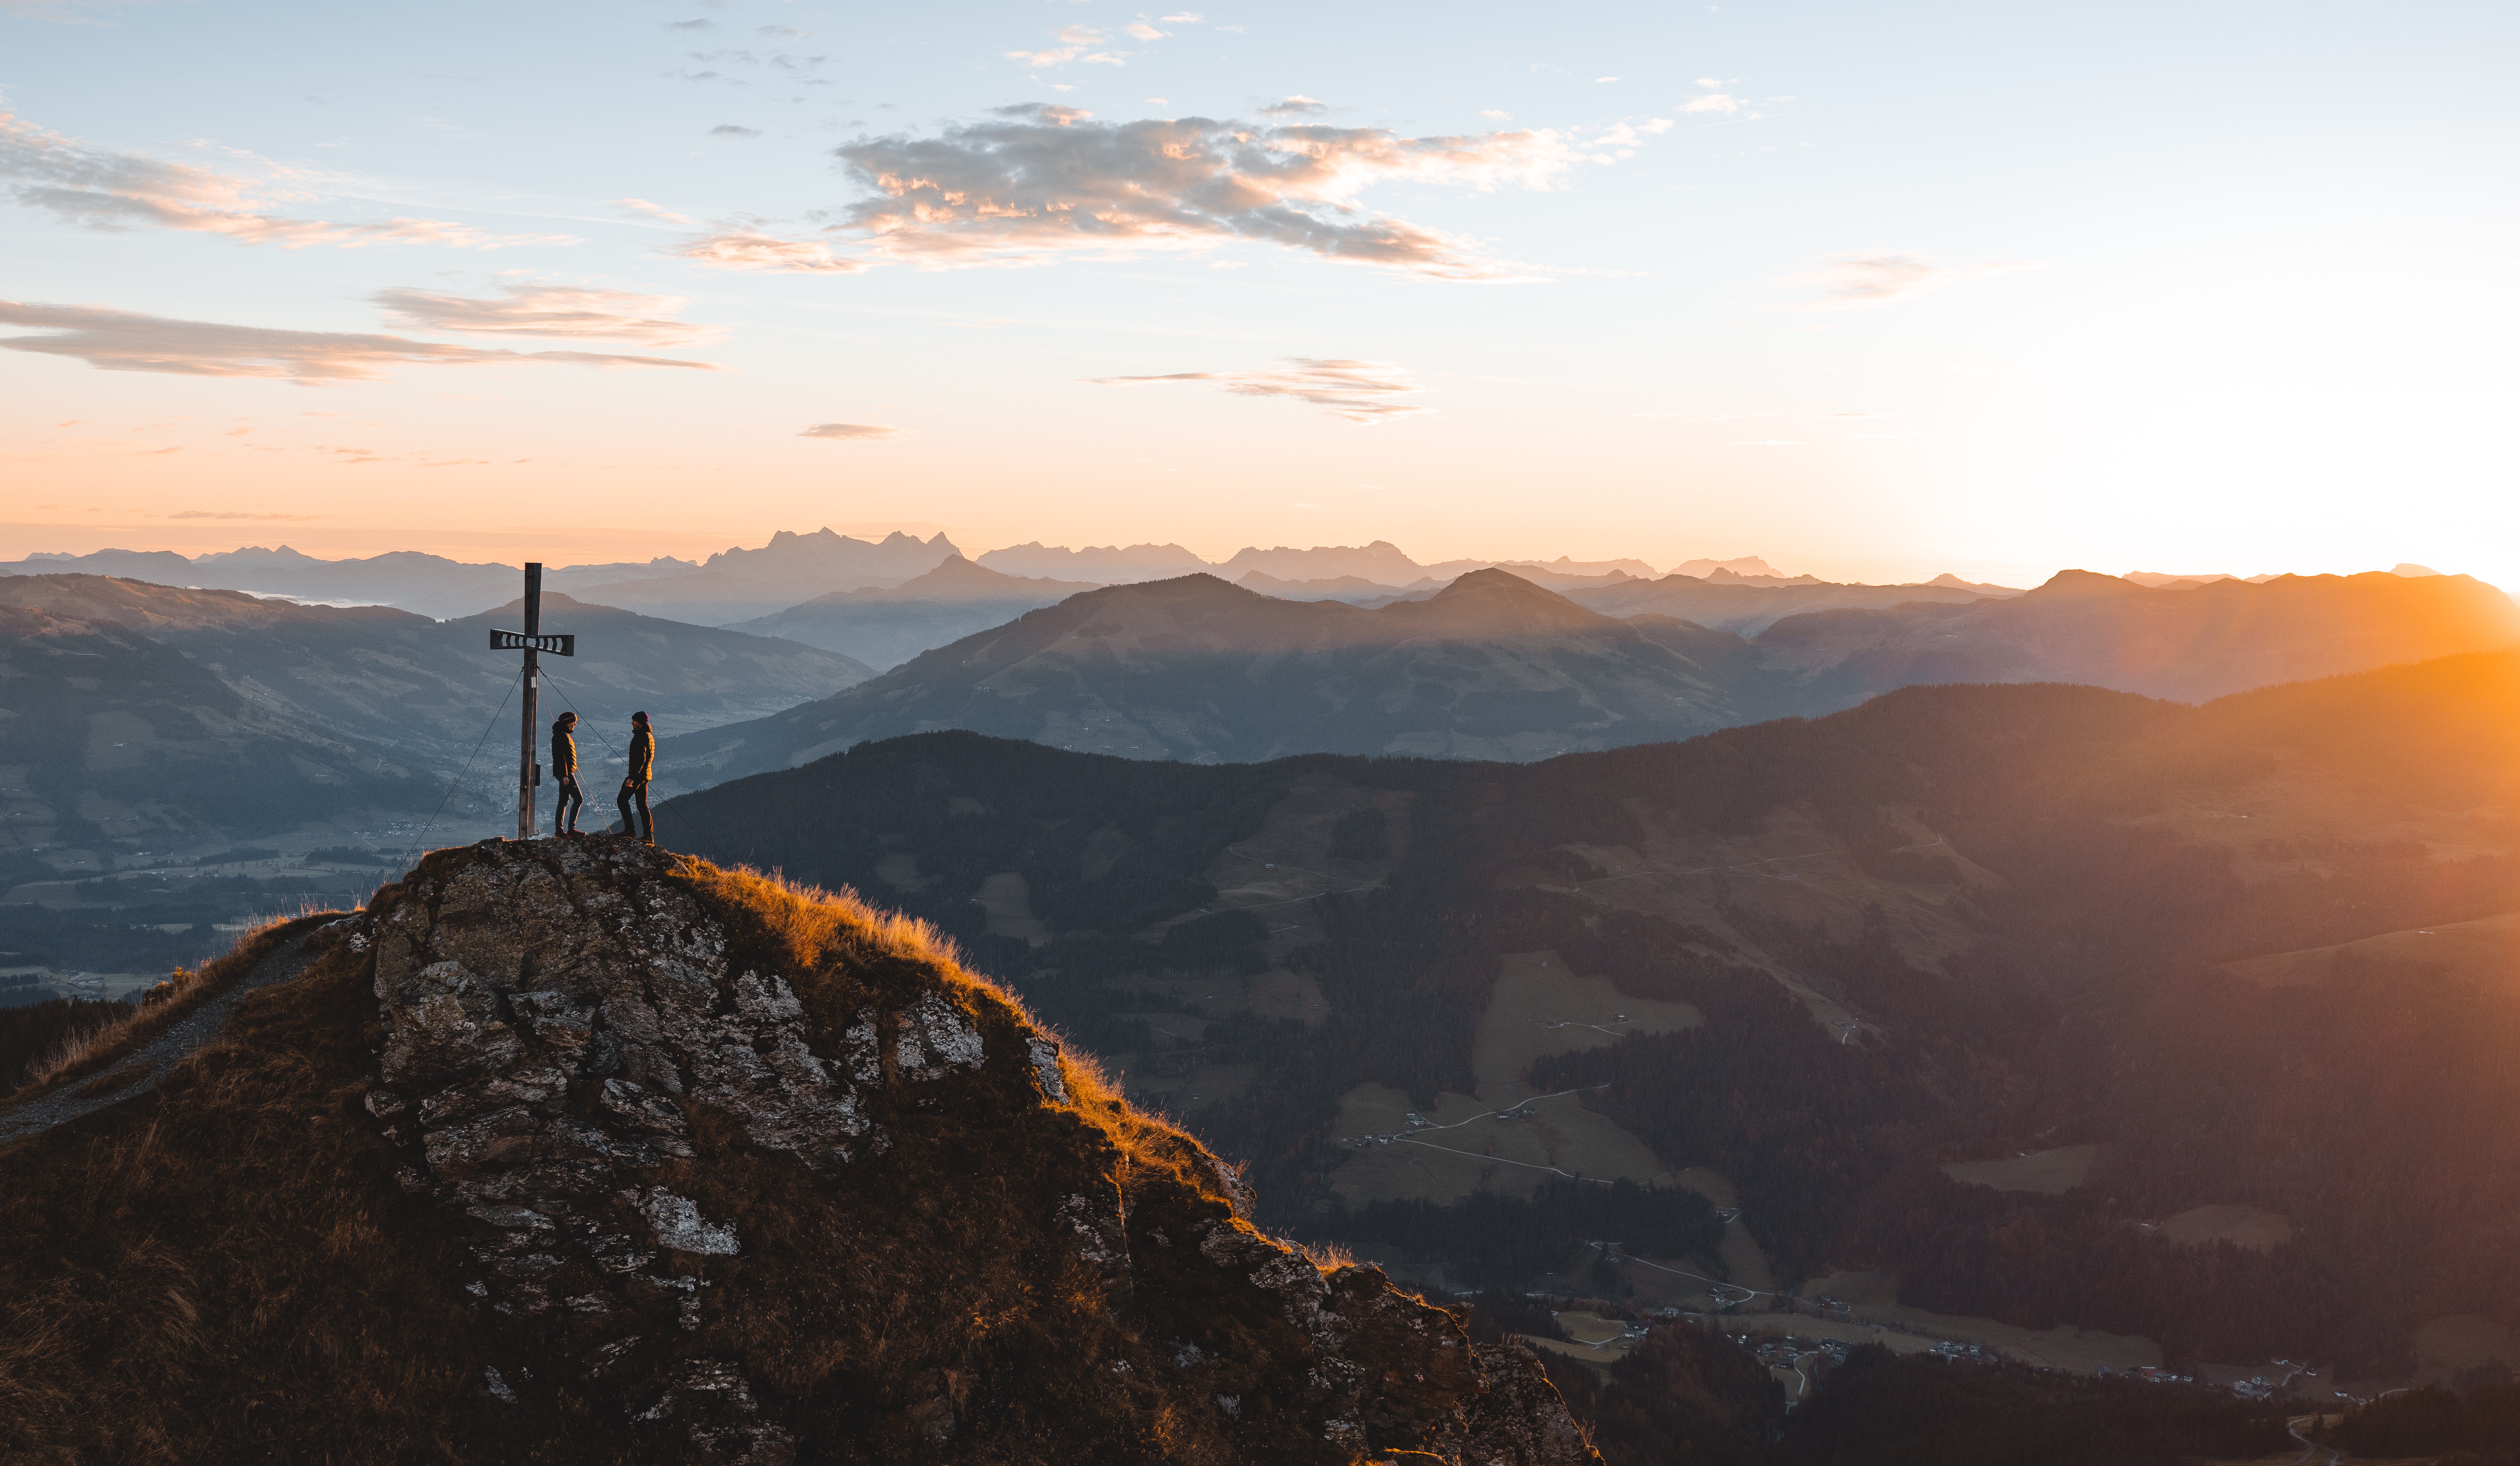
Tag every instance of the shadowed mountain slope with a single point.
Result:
(884, 626)
(1495, 667)
(1193, 668)
(1730, 604)
(1954, 923)
(2185, 641)
(108, 737)
(422, 688)
(584, 1153)
(145, 721)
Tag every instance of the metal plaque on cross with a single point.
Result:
(517, 641)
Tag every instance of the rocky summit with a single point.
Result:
(652, 1160)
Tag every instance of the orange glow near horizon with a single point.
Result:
(1874, 300)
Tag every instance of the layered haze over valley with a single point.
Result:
(752, 732)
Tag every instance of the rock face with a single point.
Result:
(770, 1179)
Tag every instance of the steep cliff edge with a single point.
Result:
(578, 1151)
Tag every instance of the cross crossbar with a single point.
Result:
(516, 640)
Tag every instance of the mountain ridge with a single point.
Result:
(885, 626)
(652, 1161)
(1491, 665)
(1223, 671)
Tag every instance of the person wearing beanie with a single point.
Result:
(564, 762)
(634, 785)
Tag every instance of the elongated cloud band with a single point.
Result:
(850, 432)
(113, 340)
(1037, 181)
(752, 249)
(544, 310)
(1358, 392)
(101, 188)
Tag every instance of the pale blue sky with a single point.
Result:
(2188, 287)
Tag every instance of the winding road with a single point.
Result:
(2310, 1447)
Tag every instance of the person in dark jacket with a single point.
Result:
(634, 785)
(563, 763)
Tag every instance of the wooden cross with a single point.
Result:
(532, 643)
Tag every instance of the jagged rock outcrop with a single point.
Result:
(768, 1178)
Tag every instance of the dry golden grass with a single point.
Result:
(163, 1278)
(71, 1053)
(1329, 1257)
(165, 1005)
(227, 1269)
(818, 929)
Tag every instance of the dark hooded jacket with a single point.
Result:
(642, 754)
(563, 751)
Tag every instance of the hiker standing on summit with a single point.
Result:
(563, 763)
(634, 783)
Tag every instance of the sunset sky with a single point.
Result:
(1874, 291)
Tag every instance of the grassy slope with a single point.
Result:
(230, 1262)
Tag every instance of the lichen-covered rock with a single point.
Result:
(766, 1195)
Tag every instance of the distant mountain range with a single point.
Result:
(1102, 565)
(427, 584)
(2189, 642)
(1495, 667)
(144, 716)
(1727, 601)
(1195, 669)
(738, 585)
(885, 626)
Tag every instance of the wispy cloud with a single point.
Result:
(1869, 280)
(1041, 179)
(102, 188)
(734, 130)
(1141, 30)
(1297, 106)
(750, 250)
(1713, 102)
(651, 210)
(544, 310)
(852, 432)
(1077, 43)
(1358, 392)
(115, 340)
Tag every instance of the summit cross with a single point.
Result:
(532, 643)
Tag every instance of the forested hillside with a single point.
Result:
(1953, 923)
